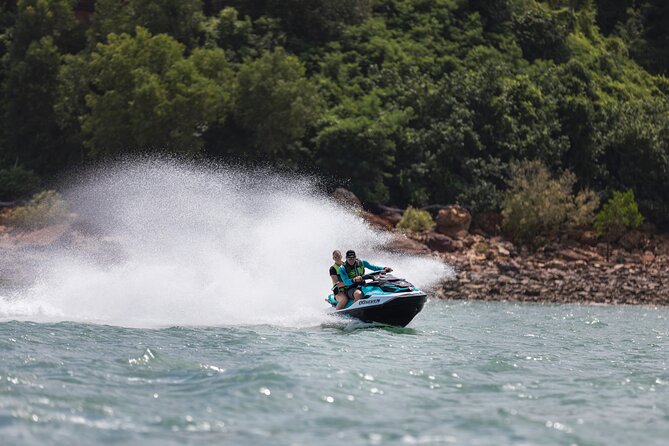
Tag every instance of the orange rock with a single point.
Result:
(347, 198)
(453, 221)
(378, 221)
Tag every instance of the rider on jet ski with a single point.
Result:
(351, 273)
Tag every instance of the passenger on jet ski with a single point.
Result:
(351, 273)
(338, 288)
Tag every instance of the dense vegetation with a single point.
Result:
(409, 101)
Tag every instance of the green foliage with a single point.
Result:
(36, 19)
(416, 220)
(537, 206)
(484, 191)
(407, 101)
(317, 20)
(147, 96)
(358, 141)
(17, 182)
(181, 19)
(275, 102)
(243, 37)
(41, 30)
(617, 215)
(542, 34)
(44, 209)
(29, 94)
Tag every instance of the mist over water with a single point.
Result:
(203, 245)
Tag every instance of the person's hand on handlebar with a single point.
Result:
(357, 279)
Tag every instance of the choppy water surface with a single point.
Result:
(194, 314)
(462, 373)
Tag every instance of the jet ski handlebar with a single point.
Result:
(373, 276)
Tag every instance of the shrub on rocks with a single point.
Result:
(416, 220)
(44, 209)
(538, 206)
(617, 215)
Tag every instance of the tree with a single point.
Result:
(616, 216)
(243, 37)
(542, 34)
(41, 30)
(181, 19)
(147, 96)
(36, 19)
(17, 182)
(29, 91)
(275, 103)
(635, 148)
(319, 20)
(357, 142)
(537, 206)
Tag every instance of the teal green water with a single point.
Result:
(462, 373)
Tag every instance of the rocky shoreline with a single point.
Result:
(487, 267)
(490, 268)
(578, 269)
(559, 275)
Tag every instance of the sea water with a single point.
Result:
(461, 373)
(203, 322)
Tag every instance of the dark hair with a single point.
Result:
(350, 254)
(335, 252)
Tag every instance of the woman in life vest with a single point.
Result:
(338, 288)
(351, 273)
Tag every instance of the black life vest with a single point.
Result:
(337, 289)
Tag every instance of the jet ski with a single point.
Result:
(386, 299)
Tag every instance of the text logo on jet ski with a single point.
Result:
(369, 301)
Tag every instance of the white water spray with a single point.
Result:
(203, 245)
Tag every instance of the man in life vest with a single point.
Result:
(351, 273)
(338, 288)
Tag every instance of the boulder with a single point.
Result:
(584, 237)
(440, 242)
(648, 258)
(392, 216)
(588, 238)
(401, 243)
(347, 198)
(454, 221)
(378, 221)
(633, 240)
(502, 251)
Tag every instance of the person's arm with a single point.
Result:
(368, 265)
(334, 276)
(344, 277)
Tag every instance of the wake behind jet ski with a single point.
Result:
(386, 300)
